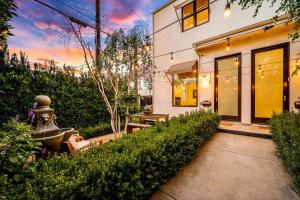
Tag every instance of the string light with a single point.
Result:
(148, 44)
(172, 59)
(227, 79)
(237, 62)
(228, 44)
(227, 9)
(218, 75)
(262, 75)
(259, 69)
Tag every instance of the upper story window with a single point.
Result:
(194, 14)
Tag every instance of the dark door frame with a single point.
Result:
(226, 117)
(286, 84)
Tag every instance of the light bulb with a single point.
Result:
(228, 44)
(237, 61)
(227, 10)
(172, 59)
(227, 48)
(227, 80)
(262, 75)
(259, 69)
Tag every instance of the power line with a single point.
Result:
(122, 1)
(71, 18)
(82, 13)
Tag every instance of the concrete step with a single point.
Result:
(253, 130)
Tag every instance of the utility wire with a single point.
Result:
(84, 14)
(71, 18)
(123, 1)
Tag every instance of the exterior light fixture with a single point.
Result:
(228, 44)
(172, 59)
(218, 75)
(237, 62)
(227, 9)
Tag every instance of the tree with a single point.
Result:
(288, 7)
(7, 12)
(123, 61)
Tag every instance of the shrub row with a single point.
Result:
(95, 131)
(286, 133)
(75, 101)
(129, 168)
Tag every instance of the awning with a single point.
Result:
(182, 67)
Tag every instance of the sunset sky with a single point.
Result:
(41, 33)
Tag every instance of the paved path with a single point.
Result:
(231, 167)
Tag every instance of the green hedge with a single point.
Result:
(285, 129)
(95, 131)
(75, 101)
(130, 168)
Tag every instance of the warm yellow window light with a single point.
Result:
(185, 89)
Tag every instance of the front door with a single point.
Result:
(228, 87)
(269, 77)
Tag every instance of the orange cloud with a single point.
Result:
(63, 55)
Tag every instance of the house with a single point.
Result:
(242, 64)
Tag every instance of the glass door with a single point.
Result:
(269, 82)
(228, 87)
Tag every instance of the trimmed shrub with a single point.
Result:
(95, 131)
(129, 168)
(286, 133)
(76, 101)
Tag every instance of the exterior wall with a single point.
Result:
(172, 39)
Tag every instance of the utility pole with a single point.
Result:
(98, 33)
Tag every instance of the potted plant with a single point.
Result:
(148, 109)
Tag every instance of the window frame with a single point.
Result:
(197, 88)
(194, 14)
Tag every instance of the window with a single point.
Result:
(185, 89)
(194, 14)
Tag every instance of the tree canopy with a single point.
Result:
(289, 7)
(7, 12)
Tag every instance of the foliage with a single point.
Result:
(16, 149)
(75, 101)
(95, 131)
(290, 7)
(286, 133)
(7, 12)
(129, 168)
(124, 59)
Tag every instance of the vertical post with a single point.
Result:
(98, 33)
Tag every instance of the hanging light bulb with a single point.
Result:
(227, 79)
(194, 69)
(262, 75)
(237, 62)
(148, 44)
(218, 75)
(259, 69)
(227, 9)
(228, 44)
(172, 59)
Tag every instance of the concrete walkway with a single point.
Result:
(231, 167)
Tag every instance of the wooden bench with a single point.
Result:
(131, 126)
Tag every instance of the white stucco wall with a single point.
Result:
(172, 39)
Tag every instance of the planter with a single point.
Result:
(297, 104)
(147, 112)
(206, 104)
